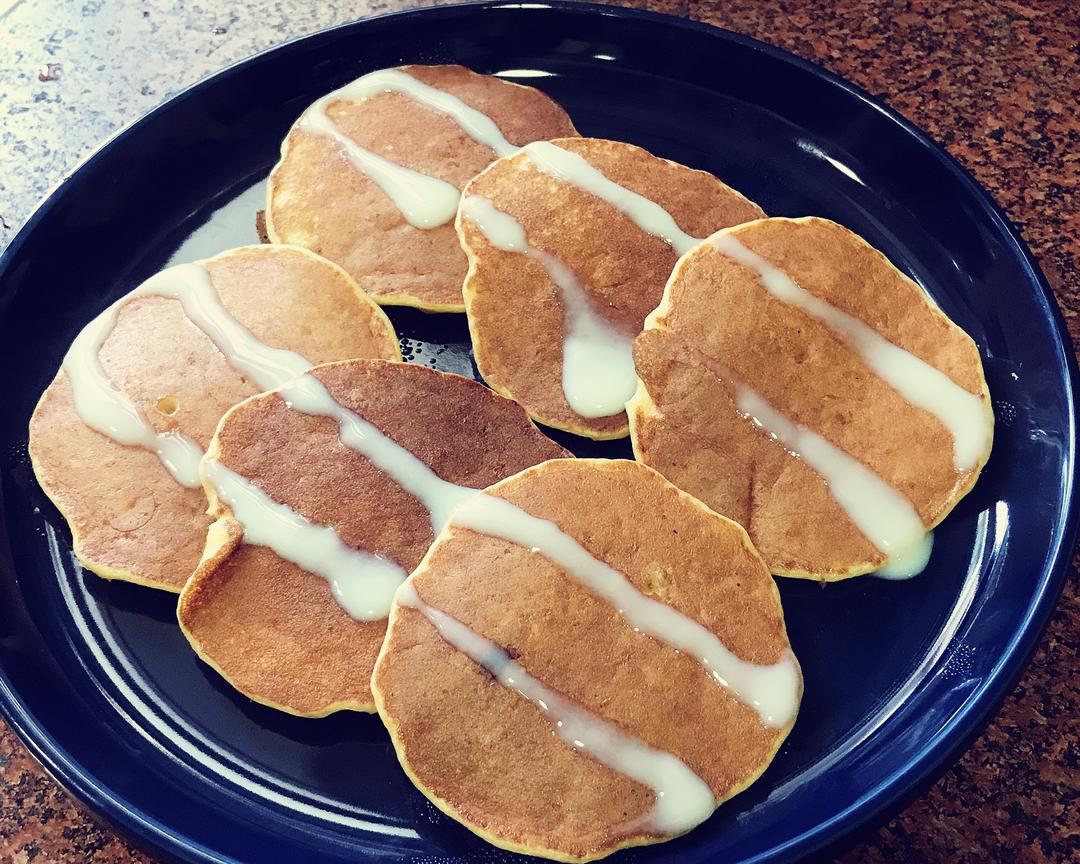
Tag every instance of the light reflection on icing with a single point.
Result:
(424, 201)
(645, 213)
(363, 584)
(921, 384)
(772, 690)
(882, 514)
(909, 565)
(598, 366)
(682, 799)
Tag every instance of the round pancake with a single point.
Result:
(317, 199)
(516, 314)
(718, 325)
(275, 630)
(129, 518)
(489, 757)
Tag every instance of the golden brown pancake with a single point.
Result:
(516, 314)
(275, 630)
(317, 199)
(129, 518)
(491, 758)
(719, 327)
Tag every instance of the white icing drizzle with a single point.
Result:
(424, 201)
(772, 690)
(104, 408)
(880, 512)
(910, 564)
(649, 216)
(598, 366)
(682, 798)
(473, 123)
(362, 583)
(439, 497)
(924, 386)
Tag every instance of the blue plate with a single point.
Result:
(96, 677)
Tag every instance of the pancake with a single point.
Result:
(564, 265)
(130, 518)
(274, 629)
(401, 128)
(795, 381)
(497, 659)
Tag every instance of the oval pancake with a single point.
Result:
(718, 328)
(516, 314)
(129, 518)
(490, 757)
(274, 630)
(317, 199)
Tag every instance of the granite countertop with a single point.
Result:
(996, 81)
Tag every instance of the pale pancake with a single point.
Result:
(516, 314)
(490, 758)
(718, 325)
(129, 518)
(317, 199)
(273, 629)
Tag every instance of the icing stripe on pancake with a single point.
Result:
(476, 124)
(772, 690)
(682, 799)
(881, 513)
(917, 381)
(439, 497)
(598, 366)
(649, 216)
(424, 201)
(104, 408)
(364, 584)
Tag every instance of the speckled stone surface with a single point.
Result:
(996, 81)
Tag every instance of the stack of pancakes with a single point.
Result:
(570, 656)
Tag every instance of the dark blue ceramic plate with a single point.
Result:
(899, 675)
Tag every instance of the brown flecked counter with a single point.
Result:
(998, 83)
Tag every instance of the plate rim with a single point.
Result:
(933, 758)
